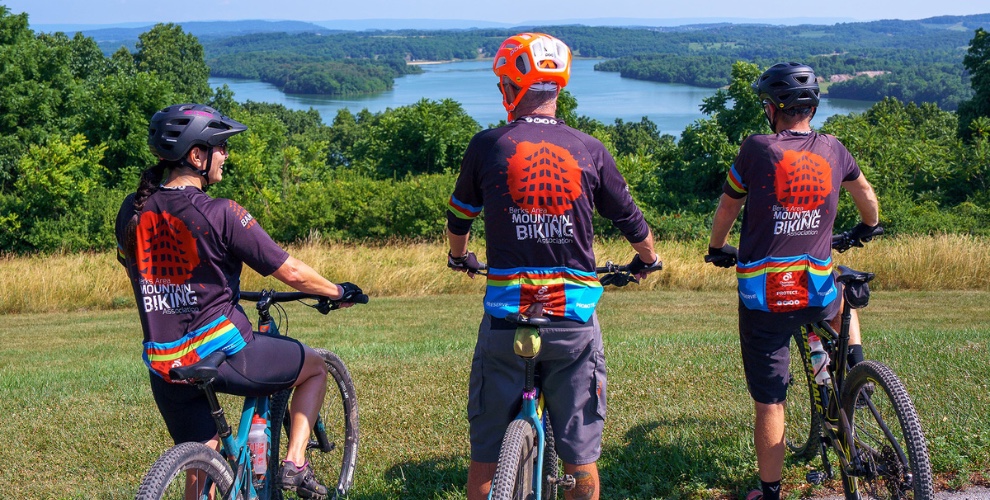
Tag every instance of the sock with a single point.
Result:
(854, 355)
(771, 491)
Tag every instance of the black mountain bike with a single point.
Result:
(229, 474)
(863, 414)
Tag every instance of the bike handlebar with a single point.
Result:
(266, 298)
(846, 240)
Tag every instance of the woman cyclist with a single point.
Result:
(184, 252)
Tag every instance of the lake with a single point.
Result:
(600, 95)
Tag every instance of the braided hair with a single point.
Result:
(150, 183)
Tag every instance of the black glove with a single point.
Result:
(722, 257)
(468, 263)
(351, 293)
(855, 237)
(639, 268)
(863, 233)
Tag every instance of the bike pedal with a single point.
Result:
(565, 482)
(315, 445)
(816, 477)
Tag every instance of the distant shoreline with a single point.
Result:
(424, 62)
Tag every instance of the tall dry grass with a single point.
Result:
(73, 282)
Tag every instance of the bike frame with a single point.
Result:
(235, 447)
(836, 429)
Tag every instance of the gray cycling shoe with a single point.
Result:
(302, 481)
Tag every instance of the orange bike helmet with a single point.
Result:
(531, 58)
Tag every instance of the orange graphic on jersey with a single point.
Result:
(803, 180)
(166, 250)
(544, 176)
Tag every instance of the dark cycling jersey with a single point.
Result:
(538, 182)
(186, 273)
(792, 181)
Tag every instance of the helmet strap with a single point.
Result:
(770, 121)
(204, 173)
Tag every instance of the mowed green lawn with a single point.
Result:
(77, 419)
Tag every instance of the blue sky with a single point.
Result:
(130, 11)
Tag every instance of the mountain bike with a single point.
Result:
(229, 473)
(528, 466)
(863, 414)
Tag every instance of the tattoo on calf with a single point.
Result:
(585, 486)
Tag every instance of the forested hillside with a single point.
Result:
(73, 125)
(917, 61)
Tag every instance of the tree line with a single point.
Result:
(921, 60)
(73, 130)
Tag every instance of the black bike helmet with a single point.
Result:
(788, 85)
(175, 130)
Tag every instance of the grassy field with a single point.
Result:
(79, 282)
(78, 420)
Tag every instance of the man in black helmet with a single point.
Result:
(789, 183)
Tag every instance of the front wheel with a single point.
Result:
(891, 458)
(187, 466)
(516, 459)
(333, 442)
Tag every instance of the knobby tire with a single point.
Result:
(516, 459)
(802, 424)
(551, 462)
(166, 480)
(886, 474)
(339, 417)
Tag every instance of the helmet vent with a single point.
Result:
(522, 64)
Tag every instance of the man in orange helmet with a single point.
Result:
(539, 182)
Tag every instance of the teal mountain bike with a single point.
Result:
(195, 469)
(528, 467)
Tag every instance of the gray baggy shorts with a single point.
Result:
(571, 371)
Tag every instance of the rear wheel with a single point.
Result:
(516, 459)
(892, 455)
(334, 440)
(551, 462)
(187, 465)
(802, 425)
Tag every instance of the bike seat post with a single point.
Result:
(530, 374)
(223, 428)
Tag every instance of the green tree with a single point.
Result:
(745, 117)
(426, 137)
(177, 58)
(977, 61)
(53, 184)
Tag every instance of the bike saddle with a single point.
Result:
(849, 275)
(203, 370)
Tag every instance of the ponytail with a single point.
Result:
(151, 180)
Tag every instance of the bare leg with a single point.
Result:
(480, 479)
(586, 484)
(769, 441)
(311, 387)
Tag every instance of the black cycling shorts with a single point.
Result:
(765, 339)
(266, 365)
